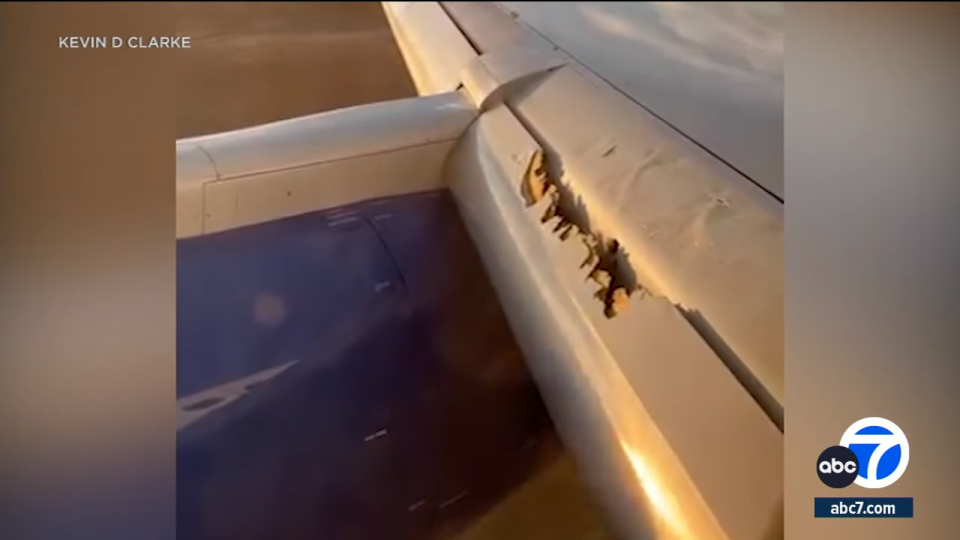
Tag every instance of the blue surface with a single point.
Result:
(863, 507)
(407, 392)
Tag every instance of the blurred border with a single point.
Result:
(87, 170)
(873, 252)
(87, 275)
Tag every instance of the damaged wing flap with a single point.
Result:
(601, 256)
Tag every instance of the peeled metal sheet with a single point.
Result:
(631, 395)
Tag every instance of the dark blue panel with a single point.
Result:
(863, 507)
(404, 405)
(254, 298)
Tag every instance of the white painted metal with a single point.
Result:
(593, 408)
(693, 231)
(417, 25)
(655, 417)
(296, 166)
(647, 393)
(194, 169)
(491, 76)
(333, 135)
(696, 231)
(713, 69)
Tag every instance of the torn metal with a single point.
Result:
(601, 257)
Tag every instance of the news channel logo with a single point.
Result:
(873, 453)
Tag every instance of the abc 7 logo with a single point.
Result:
(838, 466)
(873, 453)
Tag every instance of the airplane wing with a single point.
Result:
(713, 71)
(638, 263)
